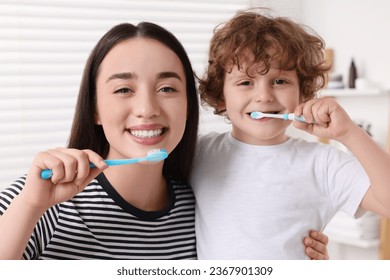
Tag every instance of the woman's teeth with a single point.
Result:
(146, 133)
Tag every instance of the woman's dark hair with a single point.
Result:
(85, 134)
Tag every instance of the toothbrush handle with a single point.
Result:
(300, 118)
(47, 173)
(112, 162)
(292, 117)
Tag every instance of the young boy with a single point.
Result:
(259, 191)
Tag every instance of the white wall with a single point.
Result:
(358, 29)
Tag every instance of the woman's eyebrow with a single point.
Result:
(130, 75)
(168, 74)
(122, 76)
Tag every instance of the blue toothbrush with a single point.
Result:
(153, 155)
(290, 116)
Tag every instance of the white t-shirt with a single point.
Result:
(259, 202)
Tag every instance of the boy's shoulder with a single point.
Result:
(302, 144)
(319, 150)
(299, 142)
(211, 139)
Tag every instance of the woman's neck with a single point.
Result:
(141, 185)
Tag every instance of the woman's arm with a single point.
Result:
(71, 173)
(316, 245)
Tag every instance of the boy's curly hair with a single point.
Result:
(294, 47)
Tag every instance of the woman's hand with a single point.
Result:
(71, 174)
(316, 245)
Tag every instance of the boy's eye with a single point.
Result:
(122, 90)
(279, 82)
(245, 83)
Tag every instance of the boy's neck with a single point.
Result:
(251, 140)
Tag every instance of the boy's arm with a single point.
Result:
(376, 163)
(332, 122)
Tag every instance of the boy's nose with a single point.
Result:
(264, 94)
(146, 106)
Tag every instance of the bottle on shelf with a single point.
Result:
(352, 74)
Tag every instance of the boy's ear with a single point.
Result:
(221, 106)
(302, 99)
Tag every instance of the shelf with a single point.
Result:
(346, 240)
(348, 92)
(362, 232)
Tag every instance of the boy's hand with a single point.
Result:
(315, 245)
(71, 173)
(325, 117)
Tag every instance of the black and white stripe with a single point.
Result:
(99, 224)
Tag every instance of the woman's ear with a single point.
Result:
(97, 119)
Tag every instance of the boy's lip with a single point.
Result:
(264, 111)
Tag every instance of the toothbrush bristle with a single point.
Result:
(157, 155)
(256, 115)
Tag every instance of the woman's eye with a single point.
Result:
(122, 90)
(168, 89)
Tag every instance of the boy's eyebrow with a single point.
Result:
(122, 76)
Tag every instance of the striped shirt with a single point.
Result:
(99, 224)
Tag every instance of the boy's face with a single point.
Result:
(274, 92)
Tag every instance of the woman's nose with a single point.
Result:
(146, 105)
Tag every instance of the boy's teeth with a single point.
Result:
(146, 133)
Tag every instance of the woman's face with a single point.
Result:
(141, 98)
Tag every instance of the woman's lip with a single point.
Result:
(145, 127)
(139, 133)
(147, 141)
